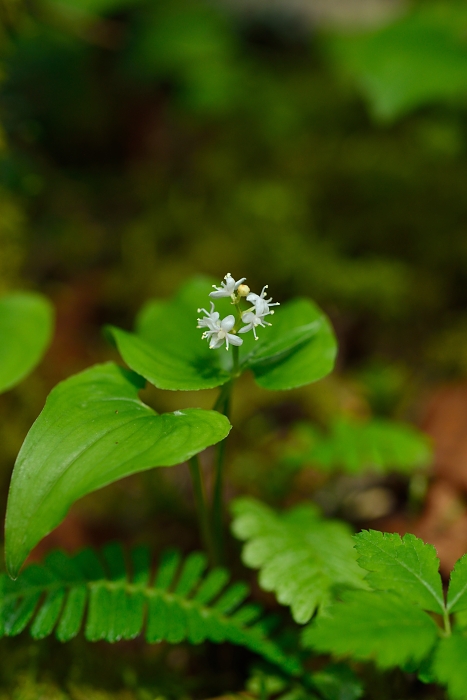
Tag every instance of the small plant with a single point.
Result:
(26, 321)
(375, 597)
(404, 619)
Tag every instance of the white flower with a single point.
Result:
(212, 318)
(253, 319)
(219, 332)
(227, 288)
(261, 304)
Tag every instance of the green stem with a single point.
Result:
(447, 623)
(222, 398)
(263, 691)
(217, 507)
(201, 508)
(223, 406)
(235, 361)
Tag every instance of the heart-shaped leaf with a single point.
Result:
(94, 430)
(26, 321)
(299, 349)
(167, 348)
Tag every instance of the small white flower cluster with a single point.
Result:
(219, 332)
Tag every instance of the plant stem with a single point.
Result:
(263, 692)
(223, 406)
(217, 506)
(235, 361)
(221, 399)
(447, 623)
(201, 508)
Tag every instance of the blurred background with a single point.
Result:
(319, 146)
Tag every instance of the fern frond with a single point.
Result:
(334, 682)
(114, 599)
(353, 447)
(301, 556)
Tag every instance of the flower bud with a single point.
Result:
(243, 290)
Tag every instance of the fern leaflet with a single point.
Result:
(302, 557)
(181, 603)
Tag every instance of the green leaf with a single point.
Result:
(450, 666)
(419, 59)
(111, 597)
(94, 430)
(26, 323)
(379, 445)
(192, 45)
(407, 566)
(167, 348)
(457, 591)
(300, 348)
(374, 625)
(337, 682)
(301, 556)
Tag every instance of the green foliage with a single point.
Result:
(374, 625)
(417, 60)
(449, 664)
(333, 682)
(299, 349)
(168, 351)
(264, 685)
(115, 599)
(406, 566)
(301, 556)
(378, 445)
(389, 624)
(337, 682)
(167, 348)
(191, 44)
(457, 591)
(26, 322)
(90, 7)
(94, 430)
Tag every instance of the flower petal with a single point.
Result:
(228, 323)
(234, 339)
(216, 343)
(245, 329)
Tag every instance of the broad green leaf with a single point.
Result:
(94, 430)
(167, 348)
(301, 556)
(407, 566)
(419, 59)
(379, 445)
(299, 348)
(374, 625)
(450, 667)
(457, 591)
(26, 322)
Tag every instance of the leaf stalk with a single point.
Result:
(201, 506)
(223, 406)
(447, 623)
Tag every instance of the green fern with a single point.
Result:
(302, 557)
(333, 682)
(182, 603)
(353, 447)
